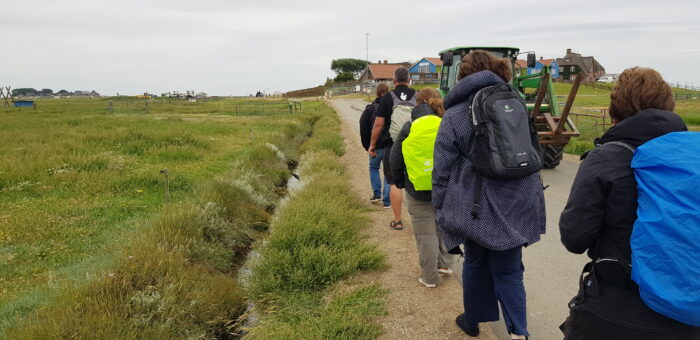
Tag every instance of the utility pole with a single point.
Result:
(367, 46)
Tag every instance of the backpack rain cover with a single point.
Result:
(666, 236)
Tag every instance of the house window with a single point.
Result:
(424, 68)
(572, 69)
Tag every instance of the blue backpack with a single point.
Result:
(666, 236)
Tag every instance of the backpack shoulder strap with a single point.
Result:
(398, 101)
(631, 148)
(394, 97)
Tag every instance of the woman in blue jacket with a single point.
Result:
(511, 213)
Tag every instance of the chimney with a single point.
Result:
(541, 58)
(568, 51)
(386, 62)
(379, 61)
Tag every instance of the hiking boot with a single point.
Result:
(471, 330)
(429, 285)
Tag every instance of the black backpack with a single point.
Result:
(367, 123)
(505, 139)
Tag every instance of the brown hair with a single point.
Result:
(382, 89)
(481, 60)
(637, 89)
(431, 97)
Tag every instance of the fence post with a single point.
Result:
(166, 185)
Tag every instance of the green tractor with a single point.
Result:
(554, 128)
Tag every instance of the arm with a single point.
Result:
(376, 132)
(445, 155)
(383, 112)
(398, 165)
(582, 219)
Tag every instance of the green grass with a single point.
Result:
(587, 97)
(87, 247)
(314, 244)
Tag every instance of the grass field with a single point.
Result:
(88, 248)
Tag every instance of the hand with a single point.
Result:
(371, 151)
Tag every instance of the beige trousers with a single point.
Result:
(431, 249)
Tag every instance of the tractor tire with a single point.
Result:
(551, 155)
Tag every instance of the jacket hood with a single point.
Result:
(470, 84)
(643, 127)
(421, 110)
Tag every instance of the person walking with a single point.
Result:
(601, 212)
(393, 111)
(366, 125)
(411, 165)
(506, 215)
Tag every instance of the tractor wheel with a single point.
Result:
(551, 155)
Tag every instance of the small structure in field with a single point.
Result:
(573, 65)
(523, 70)
(381, 72)
(426, 69)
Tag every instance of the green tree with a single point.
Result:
(24, 92)
(344, 76)
(348, 65)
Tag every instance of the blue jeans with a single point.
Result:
(375, 179)
(490, 277)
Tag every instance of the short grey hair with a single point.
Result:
(401, 75)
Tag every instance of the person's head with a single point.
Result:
(401, 76)
(431, 97)
(382, 89)
(480, 60)
(637, 89)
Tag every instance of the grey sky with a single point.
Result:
(236, 47)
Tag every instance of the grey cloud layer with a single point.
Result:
(234, 47)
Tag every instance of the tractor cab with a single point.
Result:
(554, 128)
(451, 58)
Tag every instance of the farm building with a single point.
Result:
(522, 69)
(381, 72)
(573, 65)
(426, 69)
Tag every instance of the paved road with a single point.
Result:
(551, 273)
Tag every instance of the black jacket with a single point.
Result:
(367, 124)
(398, 165)
(602, 209)
(386, 108)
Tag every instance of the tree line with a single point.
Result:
(31, 92)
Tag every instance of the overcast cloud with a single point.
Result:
(237, 48)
